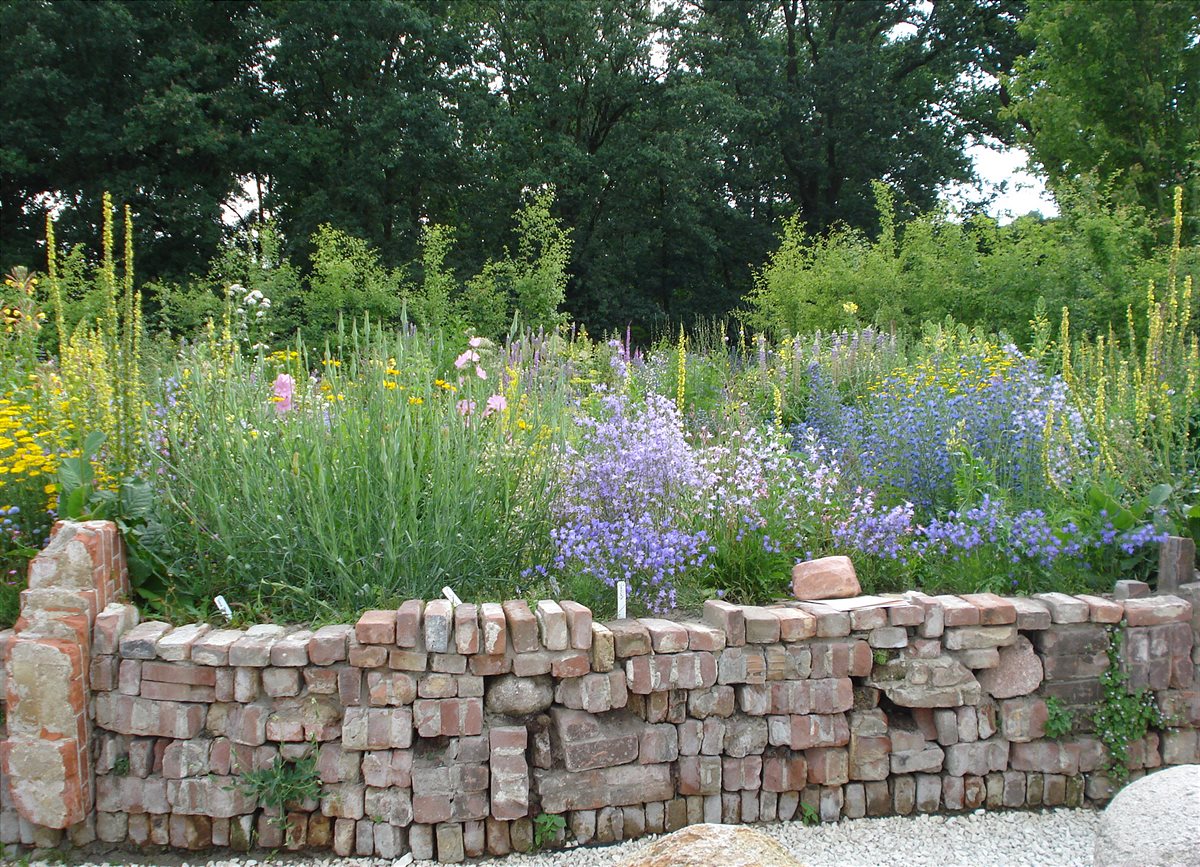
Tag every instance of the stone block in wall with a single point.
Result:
(378, 728)
(564, 790)
(1156, 610)
(940, 682)
(218, 797)
(1019, 671)
(450, 717)
(586, 741)
(978, 758)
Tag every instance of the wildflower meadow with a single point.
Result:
(308, 480)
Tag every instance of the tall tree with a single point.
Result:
(152, 100)
(365, 130)
(1113, 87)
(814, 99)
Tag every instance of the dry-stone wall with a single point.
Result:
(444, 731)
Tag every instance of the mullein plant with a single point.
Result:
(1140, 399)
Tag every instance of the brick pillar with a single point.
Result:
(45, 759)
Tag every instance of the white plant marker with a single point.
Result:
(224, 608)
(452, 596)
(622, 591)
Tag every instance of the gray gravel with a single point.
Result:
(1051, 838)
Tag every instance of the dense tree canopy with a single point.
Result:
(677, 134)
(1113, 87)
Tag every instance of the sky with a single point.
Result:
(1021, 191)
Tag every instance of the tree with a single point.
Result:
(815, 99)
(151, 100)
(1113, 87)
(364, 132)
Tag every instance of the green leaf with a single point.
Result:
(137, 500)
(1159, 494)
(76, 501)
(92, 443)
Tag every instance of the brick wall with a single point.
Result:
(444, 731)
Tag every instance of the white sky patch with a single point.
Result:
(1004, 172)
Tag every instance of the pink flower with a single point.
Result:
(466, 358)
(496, 403)
(465, 407)
(283, 389)
(480, 372)
(475, 342)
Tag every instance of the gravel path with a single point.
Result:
(1052, 838)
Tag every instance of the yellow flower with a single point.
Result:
(416, 401)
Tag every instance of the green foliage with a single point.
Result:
(121, 766)
(1059, 722)
(371, 488)
(431, 305)
(547, 827)
(347, 280)
(1095, 258)
(282, 786)
(1123, 716)
(1110, 87)
(809, 815)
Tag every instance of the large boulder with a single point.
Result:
(510, 695)
(1153, 822)
(825, 578)
(708, 845)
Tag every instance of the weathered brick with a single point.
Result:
(828, 767)
(993, 610)
(447, 717)
(176, 645)
(376, 627)
(438, 626)
(728, 618)
(408, 624)
(291, 650)
(141, 641)
(522, 627)
(213, 647)
(1101, 610)
(1155, 610)
(588, 741)
(1063, 608)
(630, 638)
(377, 728)
(762, 626)
(466, 628)
(564, 790)
(818, 730)
(958, 612)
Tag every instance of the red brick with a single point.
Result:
(1101, 610)
(828, 767)
(376, 627)
(665, 636)
(703, 637)
(522, 626)
(494, 639)
(1157, 609)
(166, 672)
(579, 624)
(906, 614)
(485, 666)
(785, 773)
(794, 624)
(176, 691)
(762, 626)
(727, 618)
(958, 612)
(466, 629)
(570, 664)
(1031, 614)
(630, 638)
(451, 717)
(408, 623)
(993, 610)
(328, 645)
(818, 730)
